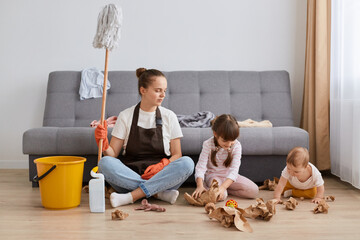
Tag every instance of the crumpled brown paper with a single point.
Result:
(322, 207)
(291, 203)
(86, 188)
(330, 198)
(210, 207)
(269, 185)
(229, 216)
(261, 210)
(210, 196)
(119, 215)
(108, 190)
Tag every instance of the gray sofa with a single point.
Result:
(245, 94)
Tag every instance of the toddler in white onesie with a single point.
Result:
(300, 178)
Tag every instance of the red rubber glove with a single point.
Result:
(101, 133)
(151, 170)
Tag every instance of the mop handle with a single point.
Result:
(103, 103)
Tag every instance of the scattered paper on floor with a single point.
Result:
(269, 184)
(229, 216)
(119, 215)
(261, 210)
(291, 203)
(322, 207)
(209, 196)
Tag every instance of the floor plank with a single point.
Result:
(23, 217)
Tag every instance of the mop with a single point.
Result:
(107, 36)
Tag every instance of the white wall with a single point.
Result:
(40, 36)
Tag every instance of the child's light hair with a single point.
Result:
(226, 127)
(298, 156)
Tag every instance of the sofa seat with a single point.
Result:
(80, 140)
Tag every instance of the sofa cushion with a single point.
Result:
(244, 94)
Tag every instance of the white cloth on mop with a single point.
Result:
(92, 82)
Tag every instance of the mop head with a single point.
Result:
(108, 28)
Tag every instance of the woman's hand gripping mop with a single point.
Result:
(107, 36)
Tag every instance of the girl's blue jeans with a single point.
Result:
(124, 180)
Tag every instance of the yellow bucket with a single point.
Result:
(60, 181)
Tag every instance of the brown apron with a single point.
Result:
(145, 146)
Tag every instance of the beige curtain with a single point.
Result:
(316, 100)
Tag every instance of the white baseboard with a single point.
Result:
(14, 164)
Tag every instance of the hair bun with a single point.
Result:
(140, 71)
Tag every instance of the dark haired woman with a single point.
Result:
(150, 138)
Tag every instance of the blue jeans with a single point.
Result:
(124, 180)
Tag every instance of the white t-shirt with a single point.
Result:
(170, 128)
(315, 180)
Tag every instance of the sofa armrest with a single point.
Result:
(60, 141)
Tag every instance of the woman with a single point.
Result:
(150, 137)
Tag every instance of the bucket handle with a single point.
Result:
(36, 178)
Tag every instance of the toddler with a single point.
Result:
(220, 160)
(300, 178)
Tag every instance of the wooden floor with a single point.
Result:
(23, 217)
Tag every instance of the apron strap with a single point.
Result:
(158, 118)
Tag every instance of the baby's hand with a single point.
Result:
(316, 200)
(277, 200)
(198, 191)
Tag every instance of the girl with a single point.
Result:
(220, 160)
(300, 178)
(150, 136)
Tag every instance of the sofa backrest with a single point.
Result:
(245, 94)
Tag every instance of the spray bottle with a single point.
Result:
(97, 191)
